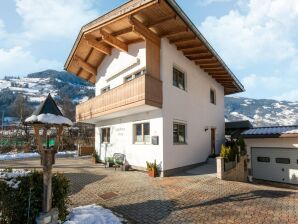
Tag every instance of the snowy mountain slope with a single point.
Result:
(261, 112)
(35, 87)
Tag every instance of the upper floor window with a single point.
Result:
(142, 133)
(179, 133)
(105, 89)
(212, 96)
(105, 135)
(134, 76)
(178, 79)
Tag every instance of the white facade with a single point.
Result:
(191, 107)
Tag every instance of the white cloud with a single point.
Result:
(54, 18)
(253, 82)
(263, 33)
(291, 95)
(17, 61)
(208, 2)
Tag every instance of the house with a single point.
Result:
(160, 86)
(273, 153)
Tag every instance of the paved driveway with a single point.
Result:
(189, 198)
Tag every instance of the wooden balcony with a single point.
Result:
(142, 91)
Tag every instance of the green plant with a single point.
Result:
(110, 160)
(229, 153)
(96, 157)
(14, 202)
(151, 166)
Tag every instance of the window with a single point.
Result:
(142, 133)
(134, 76)
(105, 89)
(179, 133)
(178, 79)
(212, 96)
(283, 160)
(263, 159)
(105, 135)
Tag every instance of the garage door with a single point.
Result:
(275, 164)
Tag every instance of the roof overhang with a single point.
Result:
(137, 20)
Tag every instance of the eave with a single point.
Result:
(140, 19)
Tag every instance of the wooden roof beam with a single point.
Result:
(206, 61)
(84, 65)
(162, 20)
(182, 40)
(122, 32)
(113, 41)
(195, 53)
(214, 70)
(189, 47)
(210, 66)
(175, 32)
(92, 42)
(141, 29)
(201, 56)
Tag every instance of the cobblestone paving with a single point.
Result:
(179, 199)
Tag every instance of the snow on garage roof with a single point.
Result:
(271, 132)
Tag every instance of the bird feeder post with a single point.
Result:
(44, 118)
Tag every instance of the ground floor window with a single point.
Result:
(179, 133)
(142, 133)
(105, 135)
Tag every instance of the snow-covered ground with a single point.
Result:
(92, 214)
(13, 156)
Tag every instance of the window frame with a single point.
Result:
(179, 124)
(105, 89)
(143, 142)
(177, 78)
(135, 75)
(108, 134)
(279, 160)
(263, 159)
(214, 96)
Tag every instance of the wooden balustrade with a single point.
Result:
(144, 90)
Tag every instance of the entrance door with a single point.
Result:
(212, 141)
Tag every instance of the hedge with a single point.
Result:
(15, 202)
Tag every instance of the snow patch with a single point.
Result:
(92, 214)
(49, 119)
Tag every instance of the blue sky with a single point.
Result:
(258, 40)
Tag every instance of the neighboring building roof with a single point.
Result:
(271, 132)
(235, 128)
(238, 124)
(154, 18)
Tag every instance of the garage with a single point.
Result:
(275, 164)
(273, 153)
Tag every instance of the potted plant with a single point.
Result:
(110, 162)
(95, 158)
(152, 168)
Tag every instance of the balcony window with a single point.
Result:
(178, 79)
(134, 76)
(179, 133)
(142, 133)
(105, 135)
(212, 96)
(105, 89)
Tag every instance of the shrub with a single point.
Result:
(229, 153)
(14, 202)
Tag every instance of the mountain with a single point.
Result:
(36, 86)
(261, 112)
(69, 90)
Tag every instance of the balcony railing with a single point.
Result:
(144, 90)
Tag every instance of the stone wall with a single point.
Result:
(238, 173)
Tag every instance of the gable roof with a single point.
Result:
(271, 132)
(163, 18)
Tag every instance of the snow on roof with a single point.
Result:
(271, 132)
(49, 119)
